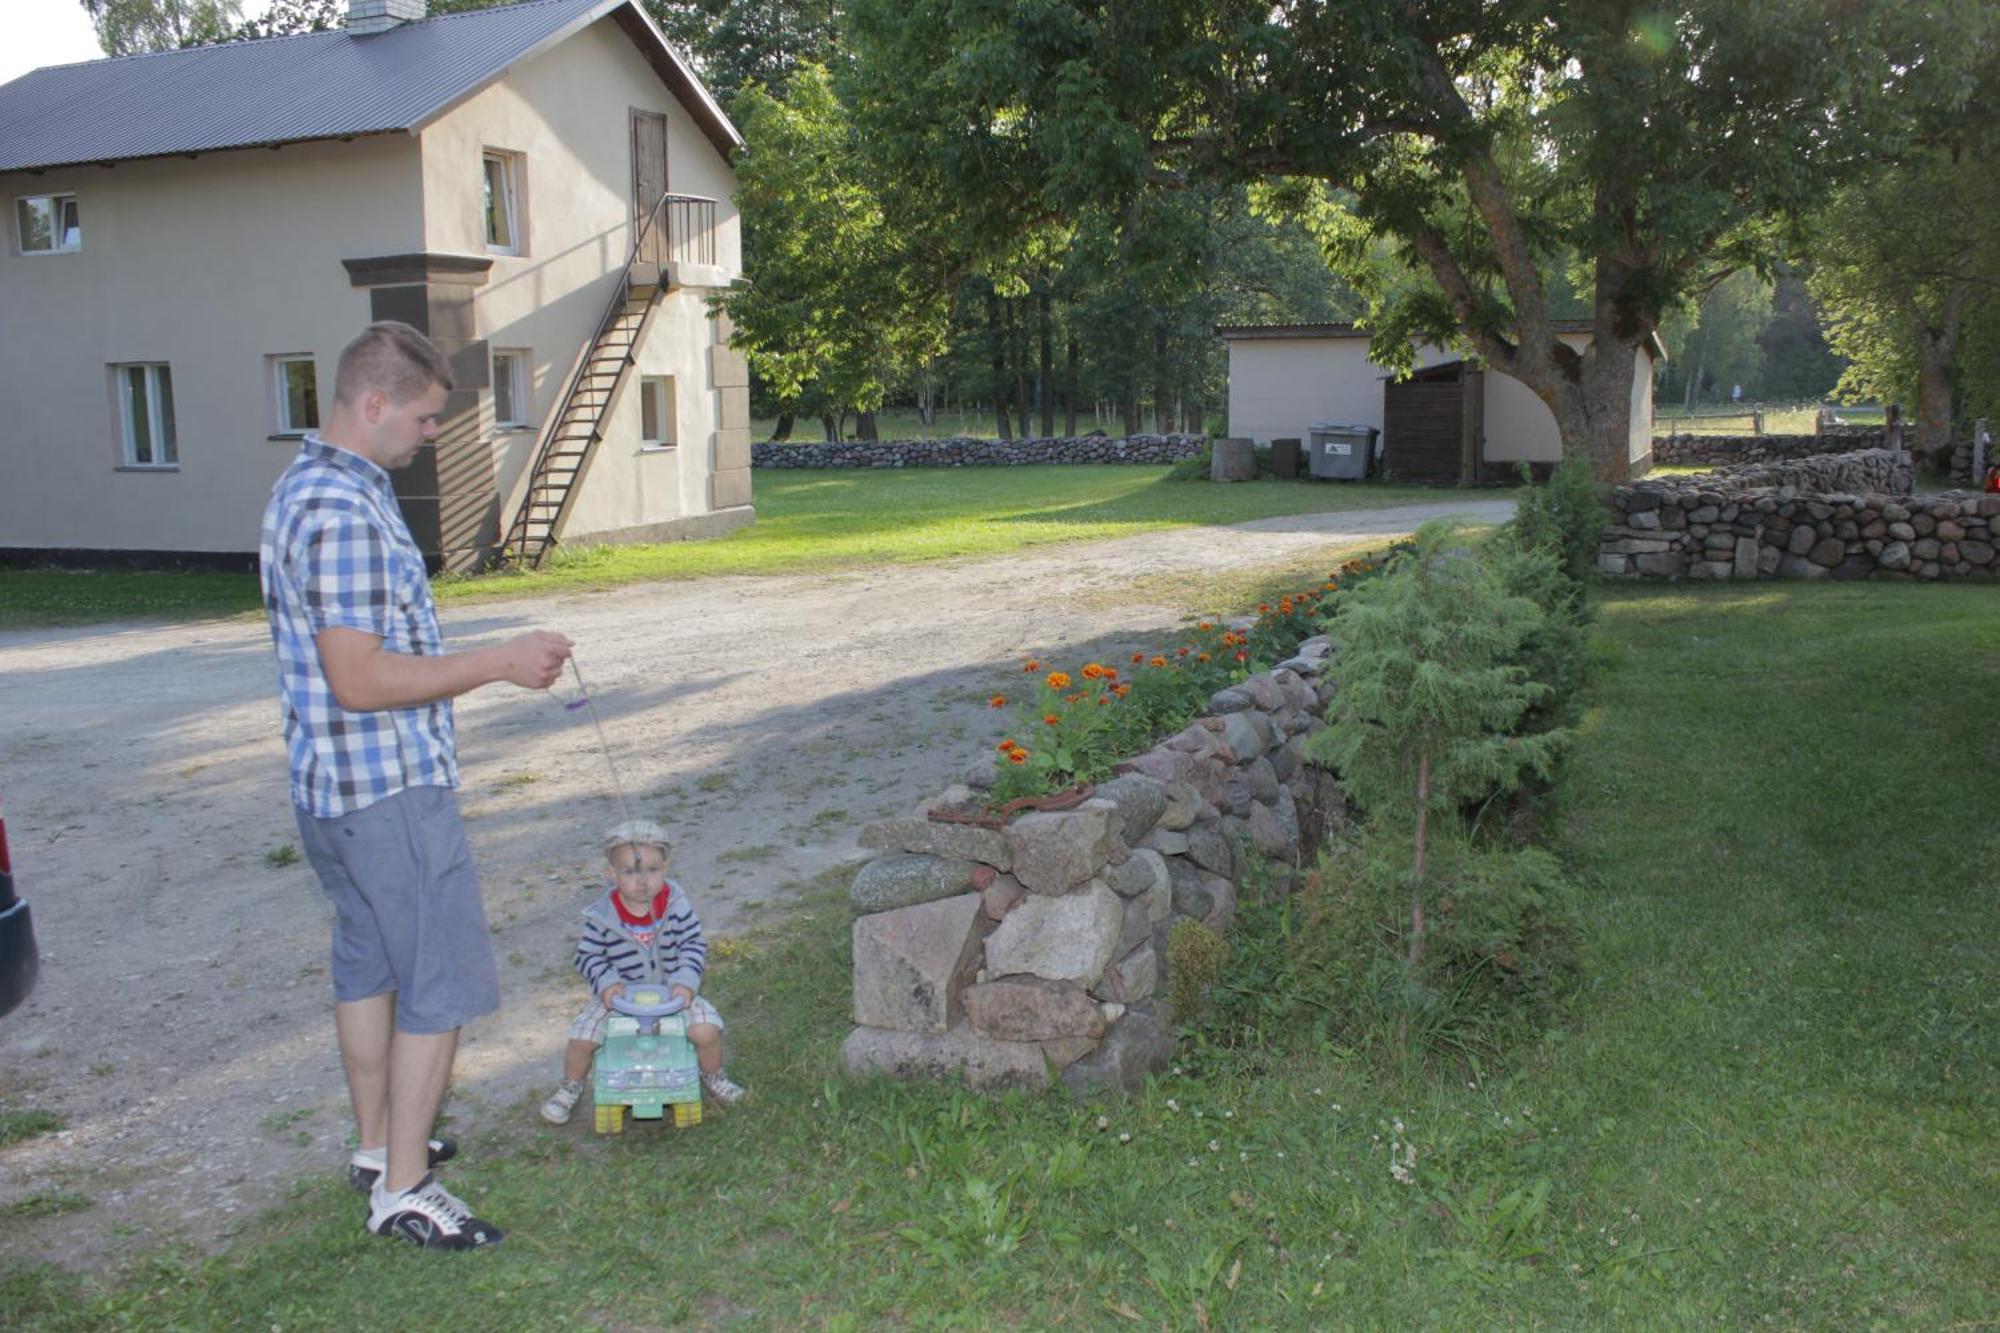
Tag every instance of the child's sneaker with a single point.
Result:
(368, 1164)
(429, 1215)
(721, 1087)
(562, 1102)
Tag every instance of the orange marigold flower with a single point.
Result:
(1242, 654)
(1075, 698)
(1201, 657)
(1091, 671)
(1030, 667)
(1203, 625)
(1285, 607)
(1264, 608)
(997, 701)
(1332, 584)
(1051, 720)
(1121, 690)
(1182, 651)
(1138, 658)
(1156, 660)
(1103, 699)
(1008, 746)
(1058, 680)
(1018, 756)
(1111, 673)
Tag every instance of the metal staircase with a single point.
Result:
(574, 429)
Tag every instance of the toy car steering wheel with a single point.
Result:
(647, 1002)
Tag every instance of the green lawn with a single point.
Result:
(1771, 1104)
(807, 521)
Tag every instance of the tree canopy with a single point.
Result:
(1493, 149)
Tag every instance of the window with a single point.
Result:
(48, 224)
(146, 415)
(296, 381)
(502, 201)
(510, 389)
(658, 428)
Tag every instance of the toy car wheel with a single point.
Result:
(687, 1115)
(610, 1119)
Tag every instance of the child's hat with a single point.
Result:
(637, 832)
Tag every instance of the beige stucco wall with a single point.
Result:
(210, 265)
(568, 114)
(1279, 386)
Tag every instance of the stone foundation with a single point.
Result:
(1017, 957)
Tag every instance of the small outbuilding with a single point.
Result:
(1450, 420)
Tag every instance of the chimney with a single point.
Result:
(367, 17)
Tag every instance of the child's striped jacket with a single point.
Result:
(607, 952)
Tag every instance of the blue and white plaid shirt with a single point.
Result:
(336, 552)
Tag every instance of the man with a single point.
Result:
(366, 688)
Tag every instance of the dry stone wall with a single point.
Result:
(1734, 450)
(1020, 956)
(963, 452)
(1843, 516)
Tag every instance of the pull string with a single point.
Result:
(583, 700)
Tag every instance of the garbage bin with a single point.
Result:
(1340, 452)
(1285, 459)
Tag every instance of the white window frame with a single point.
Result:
(281, 390)
(59, 245)
(510, 210)
(158, 406)
(511, 366)
(659, 393)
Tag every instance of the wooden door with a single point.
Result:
(1423, 426)
(649, 180)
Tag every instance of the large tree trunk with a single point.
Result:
(1069, 389)
(830, 426)
(864, 427)
(1937, 350)
(1017, 325)
(1045, 389)
(996, 335)
(783, 430)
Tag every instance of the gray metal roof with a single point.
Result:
(322, 85)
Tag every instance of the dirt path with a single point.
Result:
(181, 1027)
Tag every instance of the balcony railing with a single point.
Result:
(681, 230)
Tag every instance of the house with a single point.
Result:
(192, 236)
(1283, 378)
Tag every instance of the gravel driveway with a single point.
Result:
(181, 1025)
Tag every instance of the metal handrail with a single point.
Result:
(692, 207)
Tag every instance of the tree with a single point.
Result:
(1905, 262)
(1488, 144)
(1430, 692)
(1717, 349)
(839, 305)
(736, 43)
(287, 18)
(133, 27)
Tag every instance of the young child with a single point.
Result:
(643, 930)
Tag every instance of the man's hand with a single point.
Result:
(535, 659)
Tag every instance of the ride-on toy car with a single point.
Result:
(646, 1063)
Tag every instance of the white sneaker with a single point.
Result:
(721, 1087)
(429, 1215)
(562, 1102)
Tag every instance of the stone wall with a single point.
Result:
(1019, 956)
(1731, 450)
(1844, 516)
(960, 451)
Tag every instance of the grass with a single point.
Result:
(807, 522)
(18, 1125)
(1770, 1105)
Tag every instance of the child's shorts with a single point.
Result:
(589, 1025)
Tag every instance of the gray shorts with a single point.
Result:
(407, 915)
